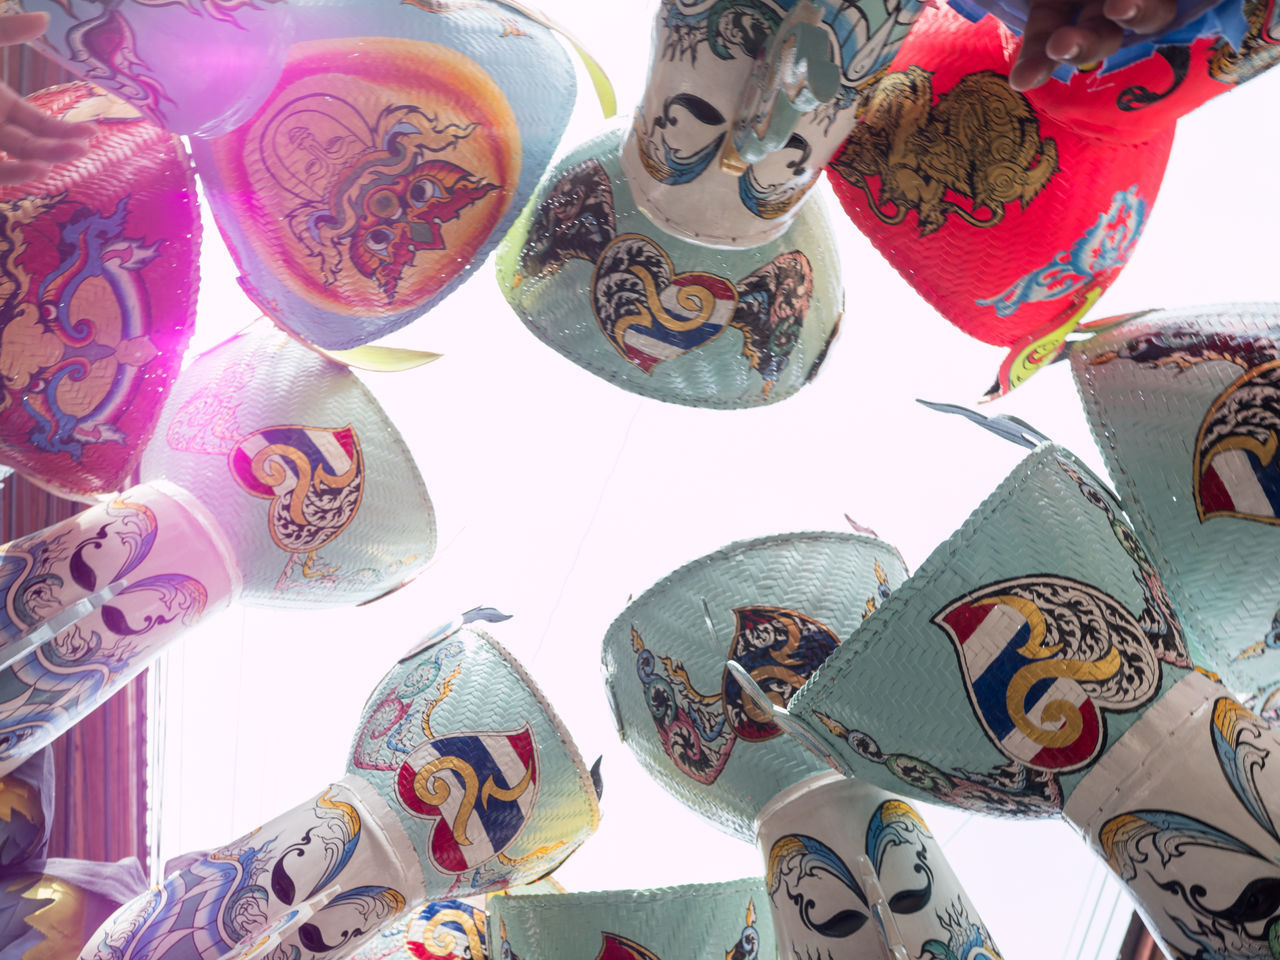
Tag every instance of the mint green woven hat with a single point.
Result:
(1018, 653)
(1185, 406)
(778, 605)
(660, 315)
(709, 921)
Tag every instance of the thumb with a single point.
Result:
(21, 27)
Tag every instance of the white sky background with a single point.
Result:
(558, 496)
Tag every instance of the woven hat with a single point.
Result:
(779, 606)
(398, 146)
(99, 282)
(461, 780)
(916, 700)
(1033, 666)
(742, 106)
(198, 66)
(854, 871)
(710, 921)
(606, 287)
(1006, 220)
(1141, 92)
(1181, 404)
(310, 482)
(90, 601)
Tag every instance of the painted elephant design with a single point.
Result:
(980, 142)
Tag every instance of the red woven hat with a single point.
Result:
(1143, 98)
(1007, 221)
(98, 277)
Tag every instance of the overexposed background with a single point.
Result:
(544, 481)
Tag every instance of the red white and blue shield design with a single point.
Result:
(1043, 658)
(649, 312)
(1236, 470)
(481, 787)
(314, 478)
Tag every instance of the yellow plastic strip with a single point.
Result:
(380, 359)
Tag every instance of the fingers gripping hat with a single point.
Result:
(1008, 221)
(98, 278)
(1153, 79)
(1033, 666)
(397, 147)
(310, 482)
(191, 66)
(90, 601)
(710, 921)
(461, 780)
(654, 313)
(1184, 406)
(779, 605)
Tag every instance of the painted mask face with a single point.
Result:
(403, 214)
(823, 882)
(1221, 895)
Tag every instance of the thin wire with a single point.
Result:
(595, 513)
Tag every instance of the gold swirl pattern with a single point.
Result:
(439, 940)
(433, 789)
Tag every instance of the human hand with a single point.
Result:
(32, 141)
(1078, 32)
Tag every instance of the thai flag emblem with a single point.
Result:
(314, 478)
(1042, 659)
(480, 787)
(649, 312)
(1236, 470)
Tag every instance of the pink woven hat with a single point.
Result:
(98, 279)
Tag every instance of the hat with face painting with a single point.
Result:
(779, 606)
(681, 258)
(397, 147)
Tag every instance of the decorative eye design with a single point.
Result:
(379, 240)
(385, 204)
(424, 190)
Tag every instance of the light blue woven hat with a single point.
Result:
(712, 921)
(1185, 407)
(454, 710)
(660, 315)
(1018, 653)
(778, 605)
